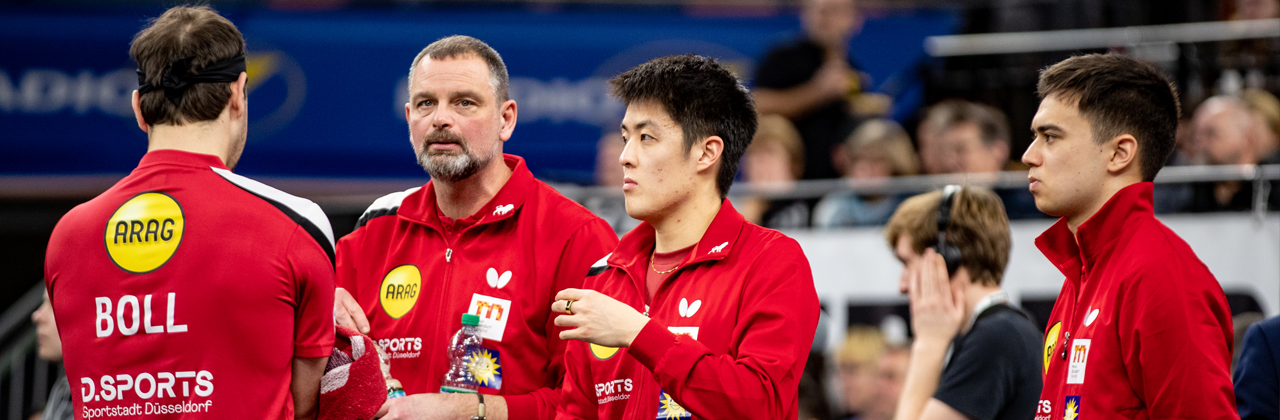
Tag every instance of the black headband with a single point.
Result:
(176, 79)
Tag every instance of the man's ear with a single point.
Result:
(239, 97)
(1124, 154)
(509, 114)
(137, 113)
(709, 151)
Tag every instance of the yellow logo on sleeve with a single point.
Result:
(144, 232)
(399, 291)
(1050, 342)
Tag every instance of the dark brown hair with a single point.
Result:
(979, 228)
(185, 31)
(462, 46)
(1120, 95)
(703, 97)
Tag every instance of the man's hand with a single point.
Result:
(347, 313)
(832, 79)
(937, 308)
(597, 318)
(442, 407)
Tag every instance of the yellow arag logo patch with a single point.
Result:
(144, 232)
(602, 352)
(399, 291)
(1050, 342)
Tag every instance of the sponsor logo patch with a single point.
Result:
(669, 409)
(1071, 409)
(1050, 342)
(1079, 357)
(601, 352)
(485, 365)
(399, 290)
(144, 232)
(493, 315)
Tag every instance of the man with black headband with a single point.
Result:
(483, 237)
(141, 277)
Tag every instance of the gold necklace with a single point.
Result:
(655, 269)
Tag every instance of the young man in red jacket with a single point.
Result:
(1141, 328)
(697, 312)
(483, 237)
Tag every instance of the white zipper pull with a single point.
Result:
(448, 255)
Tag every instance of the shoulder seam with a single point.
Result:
(387, 205)
(307, 214)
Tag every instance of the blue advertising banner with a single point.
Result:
(327, 89)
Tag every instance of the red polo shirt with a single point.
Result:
(415, 273)
(186, 291)
(1141, 329)
(728, 333)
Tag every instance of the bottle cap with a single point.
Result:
(470, 319)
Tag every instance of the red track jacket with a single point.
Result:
(1141, 329)
(727, 336)
(415, 278)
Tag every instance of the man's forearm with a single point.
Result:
(923, 374)
(789, 103)
(305, 385)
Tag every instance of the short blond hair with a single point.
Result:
(886, 139)
(862, 345)
(979, 228)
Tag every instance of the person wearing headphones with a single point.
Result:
(975, 355)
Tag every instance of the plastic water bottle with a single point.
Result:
(459, 378)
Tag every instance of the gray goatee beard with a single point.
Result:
(448, 167)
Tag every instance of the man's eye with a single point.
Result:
(465, 102)
(425, 102)
(646, 137)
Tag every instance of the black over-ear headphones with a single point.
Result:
(949, 252)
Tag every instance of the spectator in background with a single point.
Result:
(774, 161)
(610, 207)
(891, 374)
(810, 79)
(964, 137)
(1257, 377)
(878, 149)
(1226, 132)
(975, 356)
(858, 364)
(1266, 113)
(961, 137)
(49, 348)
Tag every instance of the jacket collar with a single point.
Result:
(422, 207)
(1096, 235)
(181, 158)
(635, 247)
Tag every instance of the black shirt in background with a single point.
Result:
(995, 370)
(822, 128)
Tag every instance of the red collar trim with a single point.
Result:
(1096, 235)
(181, 158)
(421, 206)
(716, 243)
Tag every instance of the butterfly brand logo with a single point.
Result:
(496, 281)
(718, 248)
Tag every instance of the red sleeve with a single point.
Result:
(589, 244)
(1175, 337)
(577, 391)
(313, 332)
(761, 376)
